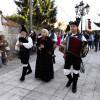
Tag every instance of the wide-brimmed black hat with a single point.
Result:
(23, 29)
(77, 22)
(68, 28)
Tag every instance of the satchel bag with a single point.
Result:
(62, 48)
(54, 46)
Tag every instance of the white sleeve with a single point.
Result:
(62, 38)
(16, 47)
(83, 38)
(55, 37)
(66, 37)
(29, 44)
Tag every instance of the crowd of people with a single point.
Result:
(46, 44)
(75, 46)
(93, 39)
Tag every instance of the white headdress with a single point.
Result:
(46, 31)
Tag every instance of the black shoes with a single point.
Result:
(74, 81)
(69, 76)
(23, 74)
(74, 88)
(29, 72)
(22, 78)
(69, 83)
(29, 69)
(26, 70)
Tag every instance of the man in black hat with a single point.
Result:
(72, 59)
(66, 32)
(24, 43)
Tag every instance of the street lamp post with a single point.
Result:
(80, 10)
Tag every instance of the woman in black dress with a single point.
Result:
(44, 64)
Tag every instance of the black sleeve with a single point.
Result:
(48, 44)
(38, 42)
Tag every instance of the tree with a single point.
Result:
(37, 13)
(23, 8)
(52, 13)
(96, 23)
(44, 11)
(17, 18)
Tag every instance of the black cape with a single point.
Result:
(44, 64)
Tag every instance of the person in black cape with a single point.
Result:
(44, 64)
(23, 44)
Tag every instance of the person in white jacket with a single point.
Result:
(23, 44)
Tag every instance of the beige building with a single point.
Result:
(11, 30)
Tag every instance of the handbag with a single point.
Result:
(54, 46)
(62, 48)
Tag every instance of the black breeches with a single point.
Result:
(72, 60)
(24, 56)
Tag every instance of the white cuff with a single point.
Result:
(25, 65)
(76, 71)
(66, 71)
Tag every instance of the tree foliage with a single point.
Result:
(44, 11)
(97, 23)
(17, 18)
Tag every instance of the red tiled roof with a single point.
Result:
(10, 23)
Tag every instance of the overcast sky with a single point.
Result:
(65, 9)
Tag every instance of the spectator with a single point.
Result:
(0, 59)
(96, 39)
(58, 39)
(33, 36)
(91, 39)
(3, 45)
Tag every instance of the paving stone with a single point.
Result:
(60, 94)
(33, 95)
(6, 95)
(27, 86)
(12, 82)
(55, 98)
(15, 97)
(44, 89)
(19, 91)
(88, 87)
(3, 80)
(26, 99)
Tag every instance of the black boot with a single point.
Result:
(69, 76)
(29, 69)
(75, 79)
(23, 74)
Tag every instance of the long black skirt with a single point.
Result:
(44, 67)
